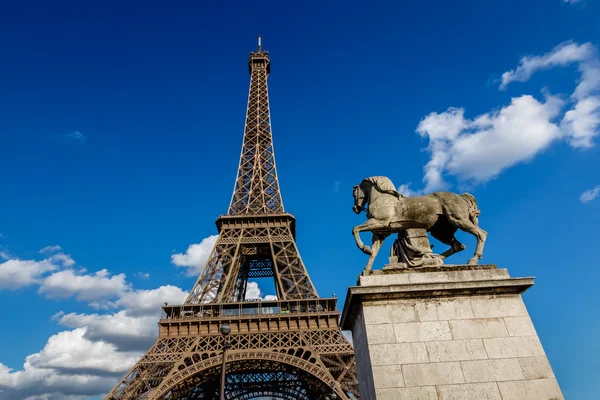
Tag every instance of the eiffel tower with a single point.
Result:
(289, 348)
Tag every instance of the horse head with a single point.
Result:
(360, 198)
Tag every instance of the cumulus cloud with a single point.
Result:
(479, 149)
(87, 360)
(16, 274)
(589, 195)
(69, 366)
(195, 257)
(253, 292)
(100, 285)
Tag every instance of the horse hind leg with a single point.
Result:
(466, 225)
(455, 247)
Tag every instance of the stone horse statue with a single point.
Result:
(441, 213)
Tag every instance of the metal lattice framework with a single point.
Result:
(290, 348)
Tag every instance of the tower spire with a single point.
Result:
(256, 188)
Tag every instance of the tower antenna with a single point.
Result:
(259, 43)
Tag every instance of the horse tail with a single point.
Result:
(472, 203)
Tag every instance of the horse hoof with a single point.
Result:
(473, 261)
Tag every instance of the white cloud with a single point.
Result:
(50, 249)
(134, 326)
(15, 273)
(564, 54)
(126, 332)
(142, 275)
(589, 195)
(479, 149)
(148, 302)
(100, 285)
(254, 292)
(68, 365)
(406, 191)
(195, 257)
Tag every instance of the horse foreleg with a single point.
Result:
(377, 241)
(481, 236)
(369, 225)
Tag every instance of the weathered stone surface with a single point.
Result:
(377, 314)
(469, 391)
(432, 374)
(388, 376)
(422, 331)
(503, 306)
(399, 353)
(478, 328)
(458, 276)
(403, 311)
(456, 350)
(519, 326)
(411, 393)
(538, 389)
(492, 370)
(512, 347)
(380, 333)
(435, 310)
(383, 280)
(536, 368)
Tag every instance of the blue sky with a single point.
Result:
(121, 125)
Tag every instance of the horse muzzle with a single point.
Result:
(356, 209)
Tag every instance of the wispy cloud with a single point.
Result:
(142, 275)
(50, 249)
(589, 195)
(75, 137)
(336, 186)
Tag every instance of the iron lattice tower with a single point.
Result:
(289, 348)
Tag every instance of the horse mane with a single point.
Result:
(384, 185)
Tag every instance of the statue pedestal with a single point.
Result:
(447, 332)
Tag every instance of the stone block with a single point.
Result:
(538, 389)
(472, 391)
(478, 328)
(455, 309)
(403, 311)
(422, 331)
(513, 347)
(399, 353)
(504, 306)
(432, 374)
(519, 326)
(380, 333)
(388, 376)
(492, 370)
(376, 314)
(456, 350)
(536, 368)
(411, 393)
